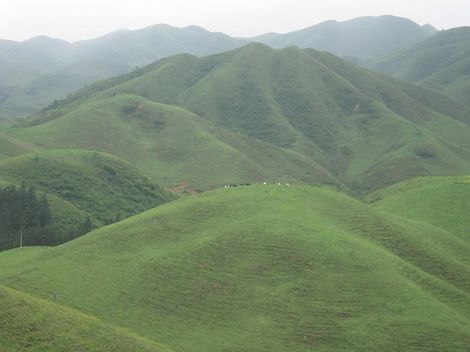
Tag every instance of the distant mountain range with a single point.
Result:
(40, 70)
(360, 38)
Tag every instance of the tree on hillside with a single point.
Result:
(24, 218)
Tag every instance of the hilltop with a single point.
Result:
(262, 268)
(298, 115)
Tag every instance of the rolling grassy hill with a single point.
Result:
(172, 144)
(441, 62)
(441, 201)
(38, 71)
(32, 324)
(263, 268)
(81, 183)
(360, 38)
(309, 116)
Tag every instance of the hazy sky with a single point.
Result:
(74, 20)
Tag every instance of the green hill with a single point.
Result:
(441, 201)
(360, 38)
(263, 268)
(81, 183)
(313, 110)
(32, 324)
(172, 144)
(441, 62)
(38, 71)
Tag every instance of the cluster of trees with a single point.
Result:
(25, 219)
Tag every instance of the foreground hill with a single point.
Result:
(360, 38)
(40, 70)
(263, 268)
(441, 62)
(319, 113)
(441, 201)
(83, 183)
(32, 324)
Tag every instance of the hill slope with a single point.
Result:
(441, 62)
(38, 71)
(84, 183)
(263, 268)
(12, 147)
(360, 38)
(30, 324)
(441, 201)
(367, 130)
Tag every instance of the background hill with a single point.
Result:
(441, 62)
(263, 268)
(292, 114)
(361, 38)
(38, 71)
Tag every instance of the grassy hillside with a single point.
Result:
(360, 38)
(32, 324)
(367, 130)
(84, 183)
(441, 201)
(172, 144)
(263, 268)
(38, 71)
(441, 62)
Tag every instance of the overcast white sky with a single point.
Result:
(75, 20)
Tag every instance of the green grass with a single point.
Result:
(84, 183)
(263, 268)
(256, 113)
(32, 324)
(172, 145)
(441, 201)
